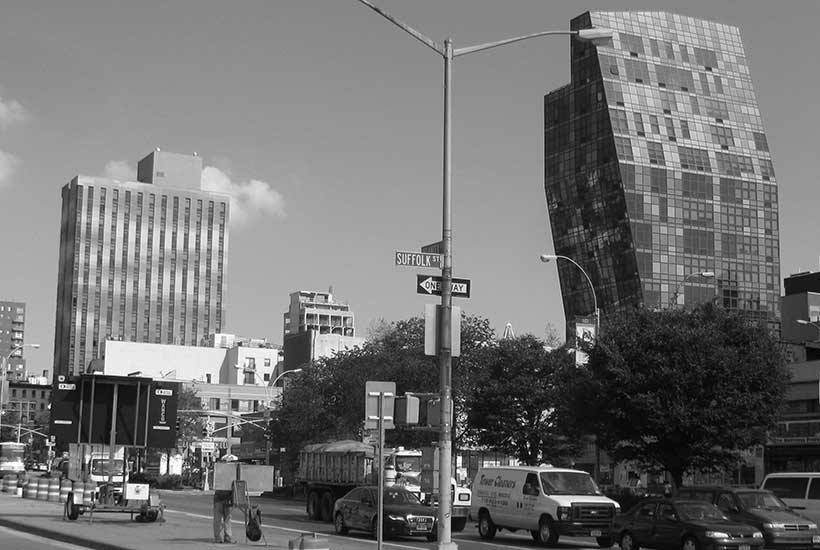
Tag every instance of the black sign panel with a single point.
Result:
(143, 412)
(431, 284)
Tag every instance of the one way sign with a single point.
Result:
(426, 284)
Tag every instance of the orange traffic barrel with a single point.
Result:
(77, 491)
(53, 494)
(89, 488)
(42, 488)
(65, 489)
(7, 483)
(30, 489)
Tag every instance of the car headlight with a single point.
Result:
(774, 525)
(564, 513)
(396, 517)
(757, 535)
(812, 526)
(716, 535)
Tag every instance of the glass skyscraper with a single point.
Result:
(140, 261)
(657, 168)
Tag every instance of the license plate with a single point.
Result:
(744, 547)
(597, 533)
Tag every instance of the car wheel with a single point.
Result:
(689, 543)
(433, 536)
(374, 526)
(547, 534)
(486, 527)
(313, 501)
(627, 542)
(339, 524)
(326, 510)
(457, 525)
(604, 542)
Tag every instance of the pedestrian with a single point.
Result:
(223, 506)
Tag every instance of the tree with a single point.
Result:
(512, 405)
(190, 423)
(326, 401)
(678, 391)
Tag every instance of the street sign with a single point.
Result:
(374, 392)
(419, 259)
(207, 446)
(434, 248)
(426, 284)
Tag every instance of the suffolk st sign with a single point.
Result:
(418, 259)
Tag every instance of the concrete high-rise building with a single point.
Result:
(140, 261)
(311, 310)
(12, 334)
(657, 169)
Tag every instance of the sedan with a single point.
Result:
(404, 514)
(673, 523)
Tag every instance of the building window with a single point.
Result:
(655, 153)
(213, 402)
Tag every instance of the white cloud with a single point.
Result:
(8, 163)
(120, 170)
(249, 200)
(10, 112)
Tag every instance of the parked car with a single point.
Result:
(686, 524)
(404, 514)
(782, 527)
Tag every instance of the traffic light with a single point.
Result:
(204, 432)
(178, 426)
(267, 435)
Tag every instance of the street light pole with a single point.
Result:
(3, 367)
(547, 257)
(673, 300)
(448, 53)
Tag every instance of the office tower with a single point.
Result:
(658, 176)
(12, 334)
(140, 261)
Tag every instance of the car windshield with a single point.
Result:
(699, 510)
(400, 497)
(569, 483)
(762, 499)
(100, 467)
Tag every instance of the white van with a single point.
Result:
(548, 502)
(800, 490)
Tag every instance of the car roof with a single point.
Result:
(794, 474)
(728, 489)
(533, 468)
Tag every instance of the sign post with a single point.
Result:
(379, 399)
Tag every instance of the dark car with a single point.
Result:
(684, 524)
(782, 527)
(404, 514)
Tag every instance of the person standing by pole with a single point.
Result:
(223, 506)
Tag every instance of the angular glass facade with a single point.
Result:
(657, 168)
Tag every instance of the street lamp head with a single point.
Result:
(707, 274)
(547, 257)
(35, 346)
(802, 322)
(596, 36)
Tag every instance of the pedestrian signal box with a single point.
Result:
(406, 410)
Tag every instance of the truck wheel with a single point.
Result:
(457, 525)
(326, 510)
(547, 534)
(486, 527)
(313, 501)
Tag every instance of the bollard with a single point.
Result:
(53, 494)
(65, 489)
(30, 489)
(77, 492)
(6, 487)
(42, 488)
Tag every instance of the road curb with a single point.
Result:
(59, 536)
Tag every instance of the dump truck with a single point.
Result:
(328, 471)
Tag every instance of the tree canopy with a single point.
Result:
(513, 402)
(678, 391)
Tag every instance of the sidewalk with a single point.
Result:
(116, 531)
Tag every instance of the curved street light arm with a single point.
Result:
(406, 28)
(489, 45)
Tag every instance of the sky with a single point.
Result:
(324, 121)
